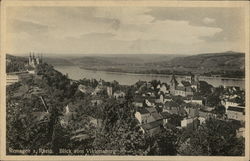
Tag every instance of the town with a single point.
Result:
(96, 117)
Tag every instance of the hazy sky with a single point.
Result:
(124, 30)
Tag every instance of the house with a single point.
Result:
(142, 115)
(186, 121)
(206, 114)
(119, 94)
(152, 127)
(85, 89)
(236, 113)
(172, 108)
(146, 115)
(138, 101)
(228, 103)
(194, 101)
(190, 123)
(150, 120)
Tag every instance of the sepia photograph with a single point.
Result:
(115, 79)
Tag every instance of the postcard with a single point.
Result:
(124, 80)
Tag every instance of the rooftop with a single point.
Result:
(152, 125)
(236, 109)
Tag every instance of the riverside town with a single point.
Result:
(50, 113)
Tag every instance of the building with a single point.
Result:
(142, 115)
(14, 77)
(186, 121)
(85, 89)
(193, 80)
(34, 60)
(138, 101)
(184, 89)
(206, 114)
(152, 127)
(194, 101)
(236, 113)
(228, 103)
(149, 119)
(119, 94)
(190, 123)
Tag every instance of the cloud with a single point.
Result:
(208, 20)
(118, 29)
(17, 25)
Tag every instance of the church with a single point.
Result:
(186, 88)
(34, 60)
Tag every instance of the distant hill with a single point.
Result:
(209, 62)
(228, 64)
(57, 61)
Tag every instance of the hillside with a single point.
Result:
(211, 62)
(15, 63)
(227, 64)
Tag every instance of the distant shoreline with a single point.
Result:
(158, 75)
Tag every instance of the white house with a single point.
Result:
(119, 94)
(194, 101)
(186, 121)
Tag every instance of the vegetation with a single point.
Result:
(215, 137)
(15, 64)
(108, 128)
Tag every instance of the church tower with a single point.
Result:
(173, 83)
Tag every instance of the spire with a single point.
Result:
(173, 81)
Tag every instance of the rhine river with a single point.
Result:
(76, 73)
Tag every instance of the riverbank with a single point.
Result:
(159, 74)
(76, 73)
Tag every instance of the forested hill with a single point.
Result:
(212, 61)
(226, 64)
(15, 63)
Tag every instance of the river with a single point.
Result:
(76, 73)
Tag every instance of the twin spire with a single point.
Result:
(35, 60)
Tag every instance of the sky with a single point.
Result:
(124, 30)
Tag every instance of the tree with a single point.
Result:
(215, 137)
